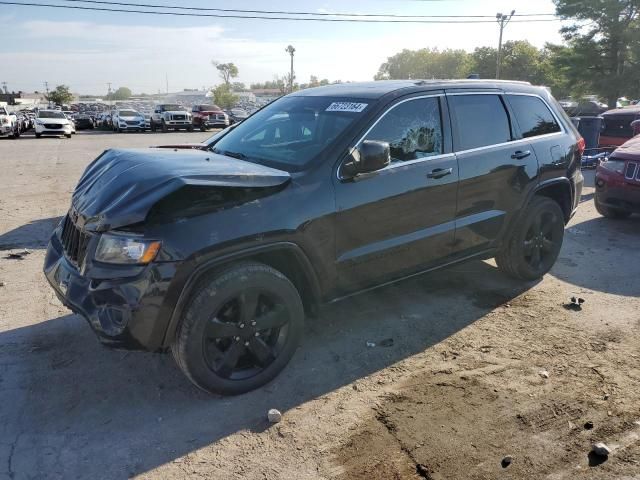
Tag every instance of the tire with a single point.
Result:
(203, 128)
(533, 246)
(609, 212)
(152, 126)
(223, 364)
(165, 128)
(190, 129)
(68, 135)
(38, 135)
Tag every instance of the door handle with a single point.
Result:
(519, 155)
(439, 172)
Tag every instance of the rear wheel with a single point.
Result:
(533, 246)
(610, 212)
(240, 329)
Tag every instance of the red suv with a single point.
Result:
(618, 182)
(209, 116)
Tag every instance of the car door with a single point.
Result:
(400, 219)
(496, 167)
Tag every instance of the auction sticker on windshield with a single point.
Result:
(346, 107)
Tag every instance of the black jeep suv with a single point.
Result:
(218, 251)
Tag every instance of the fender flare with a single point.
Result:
(540, 186)
(206, 266)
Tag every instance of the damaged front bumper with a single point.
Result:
(122, 304)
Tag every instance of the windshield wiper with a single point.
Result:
(226, 153)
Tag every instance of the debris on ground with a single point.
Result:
(588, 425)
(274, 416)
(543, 373)
(506, 461)
(371, 344)
(2, 284)
(575, 304)
(600, 449)
(387, 342)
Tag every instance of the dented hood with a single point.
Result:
(120, 186)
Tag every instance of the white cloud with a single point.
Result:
(87, 55)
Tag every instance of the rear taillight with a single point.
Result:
(581, 145)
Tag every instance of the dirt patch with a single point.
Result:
(527, 393)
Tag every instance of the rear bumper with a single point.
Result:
(124, 312)
(578, 184)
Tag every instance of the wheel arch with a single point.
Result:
(286, 257)
(559, 190)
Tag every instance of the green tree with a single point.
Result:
(123, 93)
(520, 61)
(224, 97)
(604, 46)
(60, 96)
(425, 63)
(238, 87)
(227, 71)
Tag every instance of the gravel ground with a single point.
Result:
(481, 367)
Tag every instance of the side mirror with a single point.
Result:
(370, 156)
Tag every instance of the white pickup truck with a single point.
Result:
(170, 116)
(8, 124)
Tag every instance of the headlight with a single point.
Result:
(126, 250)
(39, 122)
(613, 165)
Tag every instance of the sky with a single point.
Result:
(86, 50)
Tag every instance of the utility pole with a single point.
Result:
(166, 77)
(4, 86)
(290, 50)
(109, 93)
(502, 20)
(46, 87)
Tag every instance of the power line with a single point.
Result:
(262, 17)
(284, 12)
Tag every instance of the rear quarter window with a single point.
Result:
(533, 116)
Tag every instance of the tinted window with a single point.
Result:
(413, 130)
(533, 116)
(481, 119)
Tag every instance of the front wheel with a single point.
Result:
(190, 129)
(165, 128)
(68, 135)
(240, 329)
(610, 212)
(533, 246)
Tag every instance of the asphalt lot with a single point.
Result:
(460, 388)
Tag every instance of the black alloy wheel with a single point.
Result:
(240, 329)
(246, 335)
(539, 245)
(531, 249)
